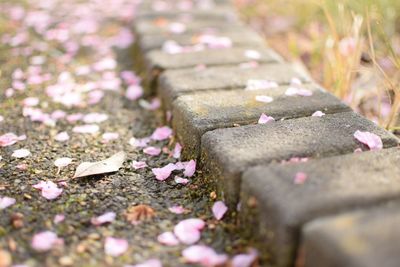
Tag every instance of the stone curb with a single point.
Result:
(215, 119)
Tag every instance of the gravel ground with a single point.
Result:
(60, 42)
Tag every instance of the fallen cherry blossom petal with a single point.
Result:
(152, 151)
(21, 153)
(6, 202)
(115, 246)
(318, 113)
(265, 119)
(252, 54)
(62, 162)
(219, 209)
(139, 164)
(180, 180)
(255, 84)
(164, 172)
(293, 91)
(300, 178)
(62, 137)
(168, 238)
(107, 137)
(188, 231)
(111, 164)
(45, 241)
(245, 260)
(105, 218)
(139, 142)
(162, 133)
(9, 139)
(204, 256)
(95, 118)
(177, 151)
(190, 168)
(49, 189)
(86, 129)
(373, 141)
(134, 92)
(177, 209)
(59, 218)
(148, 263)
(264, 98)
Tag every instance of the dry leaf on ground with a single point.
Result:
(111, 164)
(136, 214)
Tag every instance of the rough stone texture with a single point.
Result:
(157, 61)
(173, 83)
(217, 13)
(271, 198)
(228, 152)
(239, 37)
(210, 57)
(197, 113)
(161, 25)
(359, 239)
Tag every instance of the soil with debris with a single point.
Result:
(50, 42)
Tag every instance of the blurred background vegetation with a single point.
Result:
(350, 47)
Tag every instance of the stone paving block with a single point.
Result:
(238, 37)
(195, 114)
(173, 83)
(226, 153)
(275, 207)
(157, 61)
(366, 238)
(184, 23)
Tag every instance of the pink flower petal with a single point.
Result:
(62, 137)
(318, 113)
(264, 98)
(164, 172)
(255, 84)
(190, 169)
(177, 151)
(177, 209)
(180, 180)
(21, 153)
(219, 209)
(62, 162)
(59, 218)
(49, 189)
(152, 151)
(139, 142)
(300, 178)
(45, 241)
(6, 202)
(9, 139)
(252, 54)
(102, 219)
(244, 260)
(134, 92)
(293, 91)
(139, 164)
(265, 119)
(107, 137)
(203, 255)
(31, 101)
(162, 133)
(188, 231)
(373, 141)
(86, 129)
(95, 117)
(168, 238)
(115, 246)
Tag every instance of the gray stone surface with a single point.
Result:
(158, 59)
(359, 239)
(239, 37)
(161, 25)
(194, 114)
(279, 207)
(173, 83)
(228, 152)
